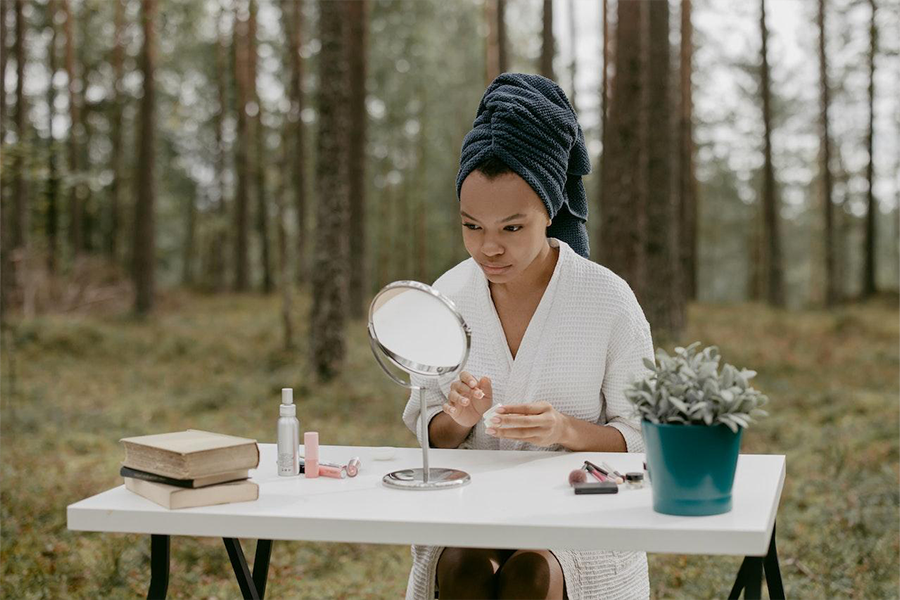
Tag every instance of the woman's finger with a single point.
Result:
(458, 395)
(508, 420)
(468, 379)
(516, 433)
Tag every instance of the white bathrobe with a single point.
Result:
(584, 344)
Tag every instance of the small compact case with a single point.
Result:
(596, 487)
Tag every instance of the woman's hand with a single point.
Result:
(537, 423)
(469, 399)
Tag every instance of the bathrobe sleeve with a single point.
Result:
(628, 348)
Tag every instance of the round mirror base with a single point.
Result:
(438, 479)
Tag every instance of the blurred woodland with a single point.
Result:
(237, 145)
(199, 198)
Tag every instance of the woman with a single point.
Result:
(556, 338)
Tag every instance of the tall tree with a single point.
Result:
(3, 56)
(825, 164)
(687, 183)
(20, 181)
(144, 228)
(285, 275)
(329, 308)
(623, 223)
(242, 142)
(663, 301)
(218, 246)
(774, 279)
(495, 44)
(292, 25)
(547, 45)
(604, 96)
(75, 207)
(573, 63)
(259, 140)
(868, 287)
(52, 216)
(357, 18)
(116, 189)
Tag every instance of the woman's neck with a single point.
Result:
(534, 279)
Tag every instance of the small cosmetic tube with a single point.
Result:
(333, 472)
(311, 453)
(634, 480)
(353, 466)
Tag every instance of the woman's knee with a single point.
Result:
(467, 572)
(531, 574)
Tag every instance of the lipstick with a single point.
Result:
(333, 472)
(311, 452)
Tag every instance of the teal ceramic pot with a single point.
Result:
(691, 467)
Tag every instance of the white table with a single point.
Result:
(515, 500)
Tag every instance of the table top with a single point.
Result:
(515, 500)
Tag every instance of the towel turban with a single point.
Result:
(526, 121)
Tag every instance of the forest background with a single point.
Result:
(200, 197)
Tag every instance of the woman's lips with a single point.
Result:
(495, 270)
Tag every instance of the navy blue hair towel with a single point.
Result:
(527, 122)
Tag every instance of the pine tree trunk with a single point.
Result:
(75, 208)
(87, 201)
(357, 13)
(663, 301)
(502, 54)
(293, 23)
(330, 275)
(869, 288)
(3, 56)
(20, 181)
(144, 230)
(547, 46)
(774, 279)
(825, 166)
(242, 141)
(190, 236)
(221, 230)
(623, 207)
(52, 217)
(601, 160)
(258, 168)
(491, 43)
(687, 177)
(118, 153)
(284, 262)
(573, 64)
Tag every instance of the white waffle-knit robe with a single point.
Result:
(584, 344)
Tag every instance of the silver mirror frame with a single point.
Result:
(424, 478)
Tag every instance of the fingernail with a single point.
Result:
(453, 410)
(495, 420)
(491, 431)
(479, 394)
(472, 383)
(500, 410)
(465, 401)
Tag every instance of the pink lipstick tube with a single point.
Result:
(311, 451)
(329, 471)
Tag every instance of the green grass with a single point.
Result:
(72, 386)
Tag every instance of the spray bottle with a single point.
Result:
(288, 436)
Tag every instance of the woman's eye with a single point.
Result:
(517, 227)
(510, 228)
(471, 226)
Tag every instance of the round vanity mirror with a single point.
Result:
(420, 331)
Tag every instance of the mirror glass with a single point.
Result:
(419, 329)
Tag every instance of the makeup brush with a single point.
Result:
(577, 476)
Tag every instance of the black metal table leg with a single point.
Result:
(159, 567)
(773, 571)
(749, 577)
(253, 587)
(261, 566)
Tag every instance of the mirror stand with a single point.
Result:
(425, 478)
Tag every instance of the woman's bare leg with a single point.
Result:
(531, 574)
(469, 572)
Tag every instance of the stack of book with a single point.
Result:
(190, 468)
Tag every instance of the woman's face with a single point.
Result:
(504, 224)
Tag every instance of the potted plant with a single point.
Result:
(692, 416)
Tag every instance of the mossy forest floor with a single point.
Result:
(73, 385)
